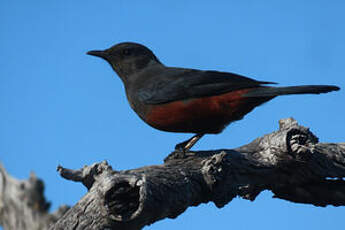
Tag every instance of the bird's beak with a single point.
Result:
(98, 53)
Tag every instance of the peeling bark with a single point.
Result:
(289, 162)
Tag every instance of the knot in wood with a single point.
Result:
(214, 170)
(299, 142)
(123, 198)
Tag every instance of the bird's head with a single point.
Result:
(127, 58)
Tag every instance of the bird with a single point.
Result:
(189, 100)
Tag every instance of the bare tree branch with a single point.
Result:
(289, 162)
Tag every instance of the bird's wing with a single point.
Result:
(174, 84)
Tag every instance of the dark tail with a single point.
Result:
(303, 89)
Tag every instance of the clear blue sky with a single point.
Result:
(60, 106)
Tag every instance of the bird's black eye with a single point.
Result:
(126, 52)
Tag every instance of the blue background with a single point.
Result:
(60, 106)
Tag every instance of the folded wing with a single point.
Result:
(183, 84)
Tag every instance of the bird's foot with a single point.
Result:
(182, 150)
(181, 147)
(184, 147)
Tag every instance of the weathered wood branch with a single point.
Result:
(23, 205)
(289, 162)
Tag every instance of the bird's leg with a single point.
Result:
(188, 144)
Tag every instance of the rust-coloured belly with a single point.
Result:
(202, 115)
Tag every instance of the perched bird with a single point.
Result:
(189, 100)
